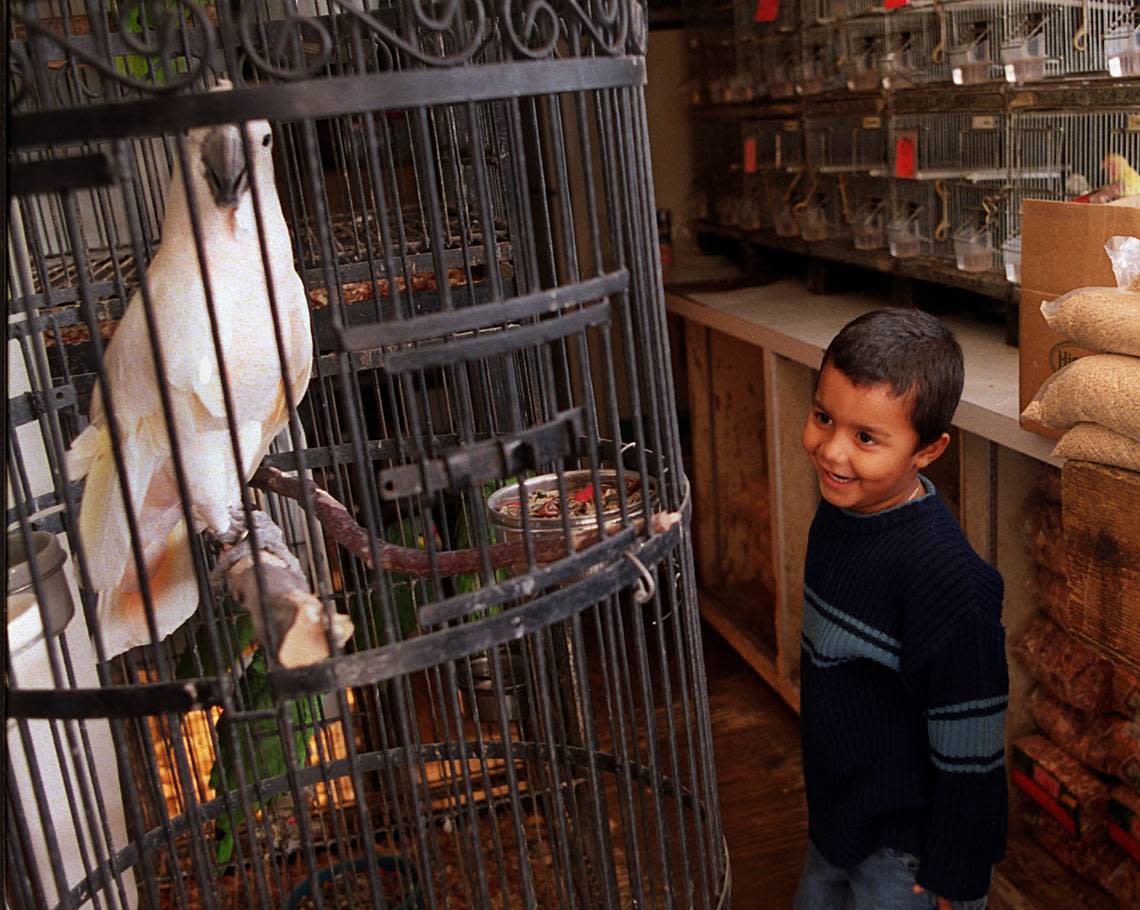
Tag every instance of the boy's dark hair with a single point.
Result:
(911, 350)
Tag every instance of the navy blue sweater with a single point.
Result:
(904, 692)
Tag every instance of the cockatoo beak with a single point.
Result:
(224, 158)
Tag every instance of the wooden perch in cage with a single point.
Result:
(343, 528)
(296, 615)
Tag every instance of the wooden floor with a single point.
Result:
(757, 741)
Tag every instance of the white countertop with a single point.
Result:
(789, 320)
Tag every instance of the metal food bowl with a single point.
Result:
(510, 526)
(476, 684)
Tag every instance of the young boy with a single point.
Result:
(904, 679)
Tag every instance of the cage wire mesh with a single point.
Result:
(1058, 38)
(863, 40)
(914, 47)
(343, 467)
(974, 38)
(1071, 154)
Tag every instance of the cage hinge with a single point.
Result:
(493, 459)
(31, 406)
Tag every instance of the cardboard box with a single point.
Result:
(1062, 248)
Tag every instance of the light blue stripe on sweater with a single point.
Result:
(964, 707)
(952, 768)
(848, 619)
(968, 737)
(831, 643)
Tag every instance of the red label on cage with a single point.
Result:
(894, 4)
(750, 155)
(906, 155)
(767, 10)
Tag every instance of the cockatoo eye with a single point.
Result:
(267, 139)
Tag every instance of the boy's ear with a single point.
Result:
(930, 452)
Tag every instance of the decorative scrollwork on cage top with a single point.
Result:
(159, 47)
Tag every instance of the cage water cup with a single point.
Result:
(863, 78)
(811, 79)
(971, 65)
(1024, 59)
(784, 221)
(903, 240)
(868, 235)
(812, 223)
(1122, 52)
(25, 624)
(973, 250)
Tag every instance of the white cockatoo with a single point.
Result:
(219, 182)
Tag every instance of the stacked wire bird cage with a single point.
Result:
(848, 144)
(951, 185)
(1057, 39)
(779, 56)
(864, 42)
(1072, 155)
(443, 646)
(974, 32)
(914, 48)
(1122, 43)
(819, 69)
(773, 164)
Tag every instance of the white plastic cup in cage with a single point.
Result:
(1011, 258)
(971, 65)
(974, 250)
(811, 79)
(1122, 53)
(903, 239)
(812, 223)
(868, 235)
(784, 221)
(28, 642)
(861, 78)
(1024, 59)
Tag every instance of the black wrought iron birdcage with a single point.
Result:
(441, 646)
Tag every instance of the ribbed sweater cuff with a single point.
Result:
(956, 881)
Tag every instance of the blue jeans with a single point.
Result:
(883, 881)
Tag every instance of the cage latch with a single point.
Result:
(493, 459)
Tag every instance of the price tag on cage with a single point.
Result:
(1133, 123)
(983, 122)
(906, 154)
(750, 155)
(894, 4)
(767, 10)
(872, 123)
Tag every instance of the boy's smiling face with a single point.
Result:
(863, 445)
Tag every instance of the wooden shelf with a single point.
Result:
(787, 319)
(991, 284)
